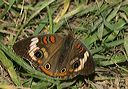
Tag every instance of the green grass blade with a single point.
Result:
(45, 4)
(10, 2)
(50, 20)
(113, 13)
(115, 59)
(10, 68)
(126, 44)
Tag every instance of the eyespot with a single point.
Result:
(47, 66)
(38, 54)
(63, 70)
(76, 64)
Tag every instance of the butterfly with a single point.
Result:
(56, 55)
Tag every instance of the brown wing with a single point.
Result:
(73, 53)
(49, 44)
(56, 54)
(43, 51)
(65, 54)
(21, 47)
(85, 58)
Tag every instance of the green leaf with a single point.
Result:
(11, 2)
(114, 43)
(90, 40)
(115, 29)
(44, 5)
(41, 85)
(126, 44)
(42, 24)
(100, 31)
(1, 3)
(125, 9)
(113, 1)
(10, 68)
(113, 13)
(115, 59)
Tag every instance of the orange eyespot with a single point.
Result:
(45, 40)
(52, 39)
(47, 66)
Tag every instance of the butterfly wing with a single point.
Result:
(43, 51)
(56, 55)
(74, 59)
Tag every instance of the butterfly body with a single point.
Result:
(56, 55)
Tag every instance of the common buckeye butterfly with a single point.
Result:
(56, 55)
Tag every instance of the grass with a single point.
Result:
(102, 25)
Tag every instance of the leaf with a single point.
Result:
(1, 3)
(115, 59)
(100, 31)
(114, 43)
(63, 11)
(10, 68)
(11, 2)
(126, 44)
(45, 4)
(88, 41)
(113, 13)
(113, 1)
